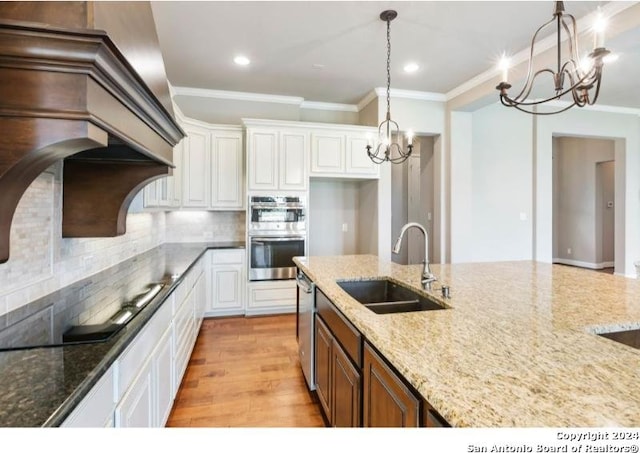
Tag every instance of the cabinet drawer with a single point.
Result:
(347, 335)
(235, 256)
(142, 346)
(272, 297)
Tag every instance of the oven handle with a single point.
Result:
(255, 239)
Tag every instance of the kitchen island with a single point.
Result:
(516, 347)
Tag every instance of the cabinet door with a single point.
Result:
(163, 377)
(136, 408)
(293, 161)
(196, 176)
(346, 389)
(226, 288)
(358, 162)
(96, 409)
(323, 366)
(327, 153)
(150, 194)
(263, 160)
(227, 171)
(175, 180)
(388, 402)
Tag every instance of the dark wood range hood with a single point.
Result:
(82, 82)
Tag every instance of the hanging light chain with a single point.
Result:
(388, 68)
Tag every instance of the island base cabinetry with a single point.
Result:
(337, 380)
(387, 401)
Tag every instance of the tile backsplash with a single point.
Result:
(41, 261)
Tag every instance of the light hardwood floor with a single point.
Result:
(245, 372)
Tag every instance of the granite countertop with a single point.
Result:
(41, 386)
(517, 347)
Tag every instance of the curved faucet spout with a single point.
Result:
(427, 276)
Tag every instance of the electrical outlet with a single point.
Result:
(345, 227)
(208, 234)
(87, 260)
(569, 251)
(523, 216)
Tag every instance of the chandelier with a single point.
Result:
(388, 150)
(581, 78)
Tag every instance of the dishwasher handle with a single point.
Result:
(303, 283)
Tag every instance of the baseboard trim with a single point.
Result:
(586, 264)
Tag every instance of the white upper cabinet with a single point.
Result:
(209, 171)
(277, 159)
(341, 153)
(262, 160)
(227, 170)
(327, 152)
(196, 171)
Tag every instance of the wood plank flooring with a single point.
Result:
(245, 372)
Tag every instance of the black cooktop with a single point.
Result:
(67, 321)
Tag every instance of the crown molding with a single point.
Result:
(258, 122)
(371, 95)
(596, 108)
(238, 96)
(312, 105)
(410, 94)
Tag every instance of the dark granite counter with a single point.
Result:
(42, 386)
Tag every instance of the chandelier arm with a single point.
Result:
(543, 113)
(573, 37)
(528, 85)
(573, 87)
(524, 95)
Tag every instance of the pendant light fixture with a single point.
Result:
(387, 150)
(578, 79)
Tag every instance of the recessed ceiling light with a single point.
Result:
(411, 67)
(241, 60)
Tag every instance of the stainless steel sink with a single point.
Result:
(384, 296)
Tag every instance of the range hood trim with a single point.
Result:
(55, 81)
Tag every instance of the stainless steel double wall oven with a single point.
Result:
(277, 233)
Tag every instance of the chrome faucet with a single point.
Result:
(427, 275)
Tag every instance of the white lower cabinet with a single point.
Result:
(96, 409)
(164, 386)
(270, 297)
(226, 282)
(139, 388)
(136, 408)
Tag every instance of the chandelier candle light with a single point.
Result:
(583, 76)
(388, 150)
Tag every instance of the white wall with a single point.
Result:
(491, 185)
(333, 204)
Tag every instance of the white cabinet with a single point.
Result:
(196, 174)
(163, 383)
(277, 159)
(341, 153)
(96, 409)
(166, 192)
(139, 388)
(271, 297)
(227, 170)
(209, 171)
(226, 282)
(136, 408)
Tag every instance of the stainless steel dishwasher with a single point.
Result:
(306, 309)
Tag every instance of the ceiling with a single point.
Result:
(335, 51)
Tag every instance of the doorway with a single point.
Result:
(412, 200)
(584, 202)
